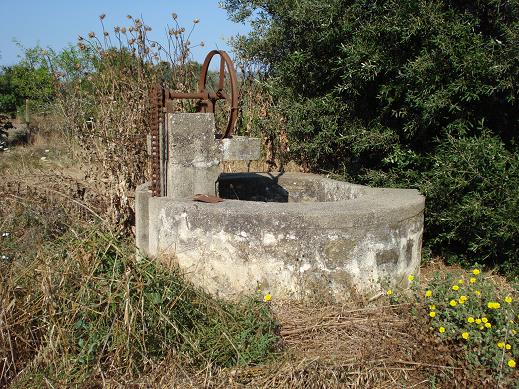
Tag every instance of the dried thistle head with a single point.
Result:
(102, 16)
(106, 33)
(91, 34)
(174, 16)
(131, 41)
(81, 46)
(117, 29)
(79, 38)
(129, 16)
(196, 21)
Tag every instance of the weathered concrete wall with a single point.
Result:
(328, 237)
(194, 155)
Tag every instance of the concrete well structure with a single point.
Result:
(293, 235)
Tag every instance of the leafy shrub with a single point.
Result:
(473, 195)
(5, 124)
(32, 79)
(378, 91)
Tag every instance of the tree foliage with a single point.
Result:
(31, 78)
(403, 93)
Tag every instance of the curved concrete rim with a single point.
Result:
(373, 206)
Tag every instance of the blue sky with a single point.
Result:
(56, 23)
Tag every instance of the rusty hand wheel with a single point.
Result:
(223, 94)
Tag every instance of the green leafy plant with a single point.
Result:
(471, 313)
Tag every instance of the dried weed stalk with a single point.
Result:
(105, 104)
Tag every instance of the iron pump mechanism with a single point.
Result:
(161, 103)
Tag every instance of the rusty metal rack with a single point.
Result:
(160, 98)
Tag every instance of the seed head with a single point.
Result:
(117, 29)
(196, 21)
(123, 30)
(102, 16)
(174, 16)
(91, 34)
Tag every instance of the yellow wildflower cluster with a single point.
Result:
(493, 305)
(467, 308)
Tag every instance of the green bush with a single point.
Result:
(473, 195)
(32, 79)
(379, 92)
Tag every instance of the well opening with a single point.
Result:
(284, 188)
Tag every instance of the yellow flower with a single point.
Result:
(432, 314)
(410, 278)
(500, 344)
(514, 332)
(428, 293)
(455, 287)
(472, 280)
(453, 303)
(511, 363)
(267, 297)
(481, 327)
(477, 293)
(389, 292)
(493, 305)
(508, 299)
(460, 281)
(462, 299)
(475, 272)
(488, 325)
(470, 319)
(441, 329)
(508, 346)
(478, 321)
(484, 319)
(465, 335)
(432, 307)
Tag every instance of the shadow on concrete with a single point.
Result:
(251, 187)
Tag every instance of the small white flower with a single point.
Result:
(5, 234)
(47, 150)
(43, 158)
